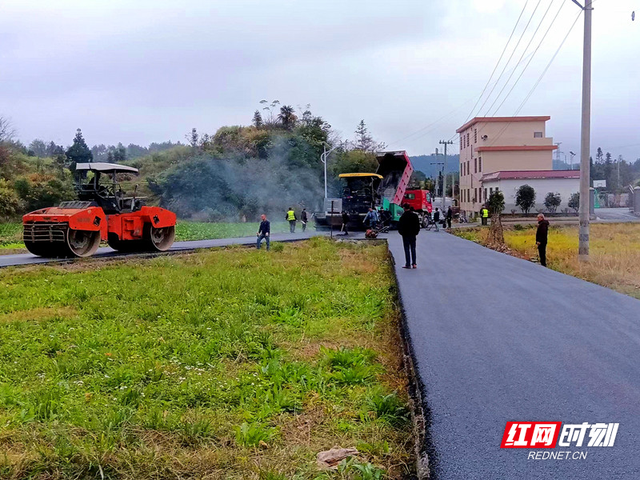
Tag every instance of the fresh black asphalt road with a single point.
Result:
(500, 339)
(106, 252)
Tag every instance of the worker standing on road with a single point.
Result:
(304, 219)
(264, 231)
(448, 217)
(291, 218)
(371, 220)
(542, 234)
(436, 218)
(484, 213)
(409, 228)
(345, 221)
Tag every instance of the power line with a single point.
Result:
(534, 52)
(525, 51)
(511, 56)
(498, 62)
(521, 106)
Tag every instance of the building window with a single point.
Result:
(468, 167)
(475, 135)
(479, 164)
(461, 142)
(475, 165)
(468, 138)
(485, 193)
(537, 134)
(491, 191)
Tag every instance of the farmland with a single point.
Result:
(232, 363)
(614, 252)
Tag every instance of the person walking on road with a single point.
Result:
(409, 228)
(436, 218)
(304, 218)
(345, 221)
(448, 217)
(291, 218)
(263, 232)
(542, 234)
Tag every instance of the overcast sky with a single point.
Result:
(138, 71)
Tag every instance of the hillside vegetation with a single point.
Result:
(234, 174)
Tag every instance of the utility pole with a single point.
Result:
(585, 140)
(437, 177)
(444, 172)
(323, 159)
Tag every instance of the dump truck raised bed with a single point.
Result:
(101, 213)
(383, 189)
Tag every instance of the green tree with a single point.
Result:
(119, 154)
(552, 201)
(257, 119)
(79, 152)
(39, 148)
(496, 206)
(496, 203)
(364, 141)
(574, 201)
(526, 198)
(9, 200)
(287, 117)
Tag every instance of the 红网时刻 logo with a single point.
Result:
(548, 435)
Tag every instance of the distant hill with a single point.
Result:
(423, 164)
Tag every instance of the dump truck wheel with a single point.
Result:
(159, 239)
(82, 243)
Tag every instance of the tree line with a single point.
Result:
(237, 172)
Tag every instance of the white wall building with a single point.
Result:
(564, 182)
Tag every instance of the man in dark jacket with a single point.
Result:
(264, 231)
(409, 227)
(449, 217)
(304, 218)
(345, 221)
(436, 218)
(541, 239)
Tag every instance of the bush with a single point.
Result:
(9, 200)
(525, 198)
(40, 191)
(574, 201)
(552, 201)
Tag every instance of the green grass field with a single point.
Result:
(232, 363)
(11, 233)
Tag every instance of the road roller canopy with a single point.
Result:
(105, 168)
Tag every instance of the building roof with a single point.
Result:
(530, 174)
(475, 120)
(517, 148)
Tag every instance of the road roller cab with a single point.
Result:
(102, 212)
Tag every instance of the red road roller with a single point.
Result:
(101, 213)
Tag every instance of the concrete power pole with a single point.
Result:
(436, 163)
(444, 173)
(585, 141)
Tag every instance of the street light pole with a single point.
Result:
(585, 141)
(323, 159)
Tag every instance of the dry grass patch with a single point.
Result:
(614, 252)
